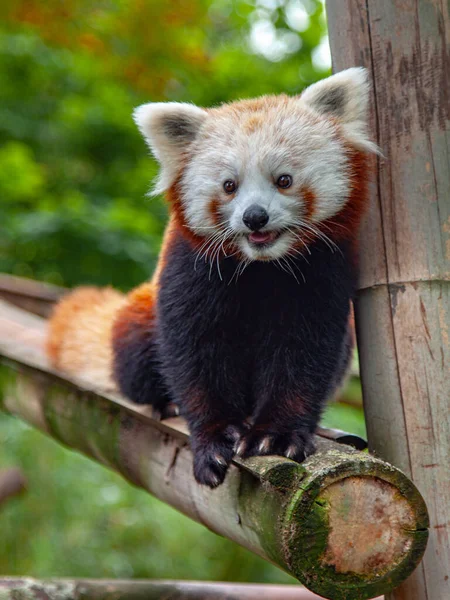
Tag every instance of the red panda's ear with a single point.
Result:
(345, 97)
(169, 128)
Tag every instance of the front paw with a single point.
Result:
(296, 445)
(212, 455)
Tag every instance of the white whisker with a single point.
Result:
(320, 234)
(294, 265)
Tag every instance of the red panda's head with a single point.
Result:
(261, 178)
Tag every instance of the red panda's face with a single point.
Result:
(261, 173)
(256, 177)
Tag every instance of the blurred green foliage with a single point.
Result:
(73, 168)
(73, 177)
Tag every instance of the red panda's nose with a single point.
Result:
(255, 217)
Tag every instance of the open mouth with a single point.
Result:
(263, 239)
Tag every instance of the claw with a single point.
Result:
(240, 448)
(264, 444)
(291, 451)
(214, 481)
(220, 460)
(175, 410)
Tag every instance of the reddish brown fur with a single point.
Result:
(136, 316)
(69, 309)
(177, 212)
(79, 335)
(138, 309)
(253, 123)
(214, 210)
(309, 199)
(345, 225)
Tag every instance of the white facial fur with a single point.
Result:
(253, 143)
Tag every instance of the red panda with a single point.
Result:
(244, 327)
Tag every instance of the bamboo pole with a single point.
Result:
(33, 296)
(346, 524)
(14, 588)
(403, 310)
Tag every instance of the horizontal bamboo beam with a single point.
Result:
(33, 296)
(12, 588)
(345, 524)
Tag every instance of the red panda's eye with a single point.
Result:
(284, 181)
(229, 186)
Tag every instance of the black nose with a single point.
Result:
(255, 217)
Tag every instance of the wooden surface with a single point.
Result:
(285, 512)
(115, 589)
(33, 296)
(12, 483)
(403, 310)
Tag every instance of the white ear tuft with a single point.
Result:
(345, 97)
(169, 128)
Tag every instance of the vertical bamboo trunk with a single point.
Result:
(403, 307)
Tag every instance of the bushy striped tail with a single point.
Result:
(79, 334)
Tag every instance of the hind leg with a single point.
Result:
(136, 372)
(135, 360)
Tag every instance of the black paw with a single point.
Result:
(213, 455)
(296, 445)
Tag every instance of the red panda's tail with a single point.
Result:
(79, 335)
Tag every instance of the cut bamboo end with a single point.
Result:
(352, 527)
(362, 527)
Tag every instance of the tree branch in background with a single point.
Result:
(12, 483)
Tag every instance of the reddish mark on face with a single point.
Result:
(345, 225)
(309, 199)
(215, 211)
